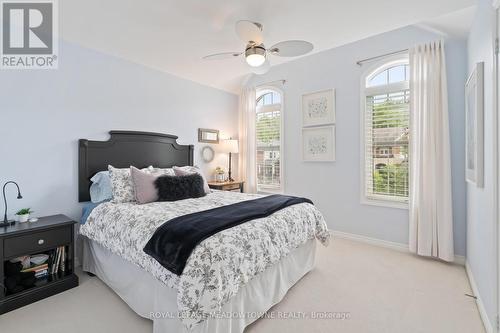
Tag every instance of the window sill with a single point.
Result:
(385, 203)
(270, 190)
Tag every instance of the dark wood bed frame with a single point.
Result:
(126, 148)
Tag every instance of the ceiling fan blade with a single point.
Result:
(223, 55)
(249, 31)
(262, 69)
(291, 48)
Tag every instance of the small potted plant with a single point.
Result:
(219, 174)
(24, 214)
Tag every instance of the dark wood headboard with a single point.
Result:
(126, 148)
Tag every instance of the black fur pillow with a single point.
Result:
(172, 188)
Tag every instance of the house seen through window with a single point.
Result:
(386, 133)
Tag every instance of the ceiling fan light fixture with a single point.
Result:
(255, 55)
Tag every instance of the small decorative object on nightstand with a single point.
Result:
(220, 175)
(49, 245)
(227, 186)
(24, 214)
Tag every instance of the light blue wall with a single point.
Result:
(44, 113)
(335, 187)
(481, 229)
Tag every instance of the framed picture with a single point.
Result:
(318, 144)
(318, 108)
(208, 135)
(474, 126)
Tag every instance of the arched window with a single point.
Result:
(385, 112)
(268, 134)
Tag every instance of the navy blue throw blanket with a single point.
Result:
(172, 243)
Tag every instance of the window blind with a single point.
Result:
(386, 146)
(268, 144)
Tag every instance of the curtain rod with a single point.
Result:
(360, 62)
(268, 83)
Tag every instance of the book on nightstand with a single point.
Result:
(35, 268)
(63, 259)
(58, 259)
(41, 274)
(39, 270)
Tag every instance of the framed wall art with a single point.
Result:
(208, 135)
(318, 144)
(318, 108)
(474, 127)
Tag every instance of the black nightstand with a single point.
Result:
(43, 236)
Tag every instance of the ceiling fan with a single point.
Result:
(256, 54)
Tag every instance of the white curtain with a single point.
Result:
(431, 218)
(247, 158)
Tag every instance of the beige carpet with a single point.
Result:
(380, 290)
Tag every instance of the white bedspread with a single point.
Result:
(220, 264)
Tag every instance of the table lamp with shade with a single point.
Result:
(230, 146)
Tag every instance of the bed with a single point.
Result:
(230, 279)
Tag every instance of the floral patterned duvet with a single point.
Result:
(220, 264)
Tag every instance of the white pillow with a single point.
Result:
(163, 171)
(182, 171)
(121, 184)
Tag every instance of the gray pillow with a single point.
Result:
(144, 185)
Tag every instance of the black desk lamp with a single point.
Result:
(230, 146)
(6, 222)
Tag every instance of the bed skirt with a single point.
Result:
(152, 299)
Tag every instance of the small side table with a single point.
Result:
(43, 236)
(227, 186)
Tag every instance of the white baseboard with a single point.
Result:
(373, 241)
(459, 260)
(488, 325)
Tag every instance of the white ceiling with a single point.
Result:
(456, 24)
(172, 36)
